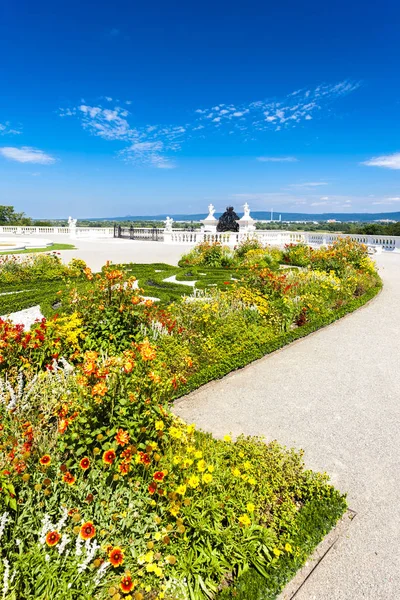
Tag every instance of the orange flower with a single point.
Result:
(126, 584)
(89, 367)
(128, 366)
(124, 468)
(62, 425)
(154, 377)
(109, 456)
(52, 538)
(135, 300)
(147, 351)
(128, 453)
(87, 531)
(116, 556)
(152, 487)
(85, 463)
(100, 389)
(69, 478)
(122, 437)
(45, 460)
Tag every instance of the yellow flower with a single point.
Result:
(288, 547)
(247, 465)
(190, 429)
(244, 520)
(181, 490)
(176, 460)
(250, 507)
(149, 556)
(201, 466)
(276, 552)
(227, 438)
(252, 481)
(198, 454)
(207, 478)
(211, 468)
(174, 510)
(157, 536)
(159, 425)
(175, 432)
(194, 481)
(236, 472)
(158, 571)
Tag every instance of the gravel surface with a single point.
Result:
(26, 317)
(336, 394)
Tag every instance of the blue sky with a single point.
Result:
(140, 108)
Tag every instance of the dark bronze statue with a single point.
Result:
(228, 221)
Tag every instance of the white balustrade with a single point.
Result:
(92, 232)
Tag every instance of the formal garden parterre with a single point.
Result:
(105, 493)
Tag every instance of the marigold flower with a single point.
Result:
(147, 351)
(100, 389)
(89, 368)
(158, 475)
(207, 478)
(45, 460)
(69, 478)
(122, 437)
(159, 425)
(128, 366)
(135, 300)
(87, 531)
(144, 458)
(85, 463)
(201, 466)
(116, 556)
(126, 583)
(109, 456)
(52, 538)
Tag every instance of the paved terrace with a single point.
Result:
(336, 394)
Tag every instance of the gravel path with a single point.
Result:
(336, 394)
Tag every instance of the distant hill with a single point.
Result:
(265, 216)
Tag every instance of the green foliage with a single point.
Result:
(8, 216)
(54, 247)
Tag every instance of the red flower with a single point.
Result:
(69, 478)
(126, 584)
(45, 460)
(52, 538)
(109, 456)
(87, 531)
(144, 458)
(158, 475)
(116, 556)
(152, 487)
(85, 463)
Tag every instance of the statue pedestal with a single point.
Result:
(246, 224)
(209, 224)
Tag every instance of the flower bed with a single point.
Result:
(105, 494)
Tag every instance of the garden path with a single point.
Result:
(335, 393)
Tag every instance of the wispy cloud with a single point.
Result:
(388, 161)
(275, 159)
(308, 184)
(151, 143)
(26, 154)
(7, 129)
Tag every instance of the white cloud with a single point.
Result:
(318, 203)
(388, 161)
(114, 124)
(26, 154)
(308, 184)
(324, 198)
(6, 129)
(277, 159)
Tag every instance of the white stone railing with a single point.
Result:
(77, 232)
(278, 237)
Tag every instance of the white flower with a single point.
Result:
(64, 541)
(100, 573)
(3, 522)
(91, 547)
(6, 576)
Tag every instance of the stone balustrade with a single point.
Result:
(77, 232)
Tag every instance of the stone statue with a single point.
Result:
(228, 221)
(72, 222)
(211, 210)
(168, 224)
(246, 209)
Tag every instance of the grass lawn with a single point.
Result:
(52, 248)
